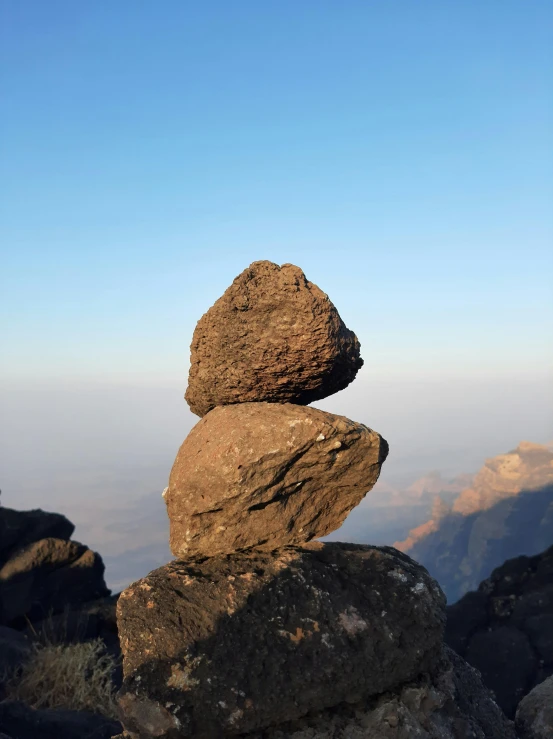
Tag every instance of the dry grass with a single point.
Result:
(71, 676)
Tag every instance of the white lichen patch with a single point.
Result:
(235, 716)
(325, 638)
(398, 575)
(351, 621)
(420, 587)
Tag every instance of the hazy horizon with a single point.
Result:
(101, 454)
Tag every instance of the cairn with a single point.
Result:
(254, 624)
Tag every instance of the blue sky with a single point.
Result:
(400, 152)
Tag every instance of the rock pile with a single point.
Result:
(52, 591)
(508, 622)
(42, 571)
(256, 630)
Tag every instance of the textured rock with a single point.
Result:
(237, 643)
(20, 528)
(46, 577)
(266, 475)
(534, 717)
(272, 336)
(452, 704)
(507, 623)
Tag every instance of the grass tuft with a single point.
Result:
(76, 677)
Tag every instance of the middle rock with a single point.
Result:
(266, 475)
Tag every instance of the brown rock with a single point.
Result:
(49, 576)
(20, 528)
(272, 336)
(265, 475)
(234, 644)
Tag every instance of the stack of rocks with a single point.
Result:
(254, 626)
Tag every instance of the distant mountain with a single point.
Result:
(506, 512)
(391, 510)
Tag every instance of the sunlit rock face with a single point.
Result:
(267, 475)
(272, 336)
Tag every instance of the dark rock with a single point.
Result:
(452, 704)
(21, 722)
(15, 649)
(267, 475)
(476, 702)
(20, 528)
(495, 654)
(273, 336)
(505, 629)
(464, 618)
(46, 577)
(534, 717)
(237, 643)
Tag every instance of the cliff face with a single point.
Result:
(528, 467)
(506, 512)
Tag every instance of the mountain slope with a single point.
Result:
(507, 511)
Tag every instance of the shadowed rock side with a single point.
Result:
(450, 704)
(506, 512)
(267, 475)
(505, 628)
(534, 719)
(52, 591)
(41, 574)
(272, 336)
(238, 643)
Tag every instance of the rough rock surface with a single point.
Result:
(46, 577)
(20, 528)
(267, 475)
(508, 622)
(18, 721)
(534, 717)
(272, 336)
(452, 704)
(238, 643)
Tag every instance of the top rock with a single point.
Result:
(272, 336)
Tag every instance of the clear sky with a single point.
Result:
(399, 151)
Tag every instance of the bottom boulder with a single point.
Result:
(240, 643)
(452, 704)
